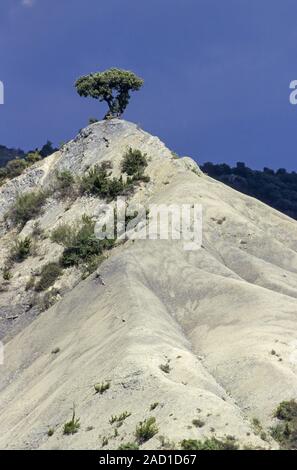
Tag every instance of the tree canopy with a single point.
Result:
(112, 86)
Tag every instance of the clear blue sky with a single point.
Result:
(216, 72)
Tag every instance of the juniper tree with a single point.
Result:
(112, 86)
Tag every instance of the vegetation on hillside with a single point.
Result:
(277, 188)
(14, 162)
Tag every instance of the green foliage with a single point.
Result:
(112, 86)
(286, 431)
(72, 426)
(228, 443)
(15, 168)
(27, 206)
(64, 184)
(49, 274)
(6, 272)
(146, 430)
(47, 149)
(129, 446)
(102, 387)
(63, 235)
(120, 419)
(287, 410)
(33, 157)
(50, 432)
(98, 182)
(83, 245)
(21, 250)
(134, 163)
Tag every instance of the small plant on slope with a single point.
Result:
(146, 430)
(72, 426)
(49, 274)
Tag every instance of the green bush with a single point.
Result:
(129, 446)
(286, 410)
(21, 250)
(98, 182)
(286, 432)
(146, 430)
(64, 184)
(63, 235)
(15, 168)
(27, 206)
(49, 274)
(102, 388)
(33, 157)
(83, 246)
(228, 443)
(134, 163)
(6, 272)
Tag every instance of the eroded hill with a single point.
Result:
(203, 341)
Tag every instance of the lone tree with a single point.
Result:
(113, 86)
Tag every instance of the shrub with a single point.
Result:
(73, 425)
(64, 183)
(134, 163)
(286, 410)
(98, 182)
(228, 443)
(119, 419)
(15, 168)
(21, 249)
(33, 157)
(146, 430)
(6, 272)
(27, 207)
(129, 446)
(286, 431)
(101, 388)
(63, 235)
(83, 246)
(49, 274)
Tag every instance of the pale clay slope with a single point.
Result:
(216, 313)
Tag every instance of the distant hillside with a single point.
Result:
(7, 154)
(277, 188)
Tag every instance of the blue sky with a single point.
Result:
(216, 72)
